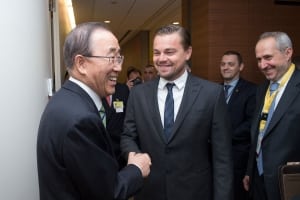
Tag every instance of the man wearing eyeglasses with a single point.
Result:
(74, 152)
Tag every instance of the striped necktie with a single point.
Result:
(226, 89)
(103, 115)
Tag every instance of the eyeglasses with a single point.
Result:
(111, 59)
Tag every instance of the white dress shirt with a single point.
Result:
(178, 90)
(96, 99)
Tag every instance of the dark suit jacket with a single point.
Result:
(241, 107)
(115, 120)
(195, 163)
(74, 154)
(281, 141)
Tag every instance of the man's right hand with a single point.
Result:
(246, 182)
(141, 160)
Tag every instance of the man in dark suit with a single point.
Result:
(74, 153)
(240, 98)
(115, 107)
(275, 137)
(181, 121)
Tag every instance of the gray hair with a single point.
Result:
(283, 41)
(78, 41)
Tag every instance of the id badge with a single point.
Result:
(119, 106)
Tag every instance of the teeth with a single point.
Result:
(113, 78)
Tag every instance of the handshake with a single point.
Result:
(142, 161)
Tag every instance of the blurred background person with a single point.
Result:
(115, 107)
(149, 73)
(240, 98)
(134, 77)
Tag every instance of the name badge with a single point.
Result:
(119, 106)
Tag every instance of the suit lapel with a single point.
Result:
(235, 92)
(69, 85)
(153, 108)
(291, 91)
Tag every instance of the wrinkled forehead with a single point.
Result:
(104, 41)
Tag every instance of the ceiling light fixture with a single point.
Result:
(70, 13)
(106, 21)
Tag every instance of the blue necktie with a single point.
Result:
(169, 111)
(273, 87)
(226, 88)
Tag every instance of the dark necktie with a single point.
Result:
(169, 111)
(273, 87)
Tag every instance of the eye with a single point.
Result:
(231, 64)
(156, 53)
(268, 57)
(170, 52)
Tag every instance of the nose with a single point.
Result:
(162, 57)
(117, 67)
(263, 64)
(224, 66)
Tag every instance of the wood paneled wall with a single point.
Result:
(217, 26)
(136, 53)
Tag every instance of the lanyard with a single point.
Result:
(269, 98)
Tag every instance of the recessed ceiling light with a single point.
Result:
(107, 21)
(175, 23)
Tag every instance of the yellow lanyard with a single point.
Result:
(269, 98)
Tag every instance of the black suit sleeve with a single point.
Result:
(89, 159)
(241, 132)
(221, 150)
(129, 137)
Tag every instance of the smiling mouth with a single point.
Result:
(113, 78)
(164, 65)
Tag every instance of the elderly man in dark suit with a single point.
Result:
(240, 98)
(181, 121)
(115, 107)
(74, 152)
(275, 131)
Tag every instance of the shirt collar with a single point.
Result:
(179, 82)
(96, 99)
(232, 83)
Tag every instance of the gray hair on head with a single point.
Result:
(78, 41)
(283, 41)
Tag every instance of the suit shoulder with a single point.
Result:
(248, 83)
(204, 82)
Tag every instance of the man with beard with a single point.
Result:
(181, 121)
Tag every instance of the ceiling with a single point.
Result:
(127, 17)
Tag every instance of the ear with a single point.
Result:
(241, 67)
(289, 53)
(188, 53)
(80, 64)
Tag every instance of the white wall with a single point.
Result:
(25, 64)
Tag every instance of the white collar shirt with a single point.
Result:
(178, 91)
(96, 99)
